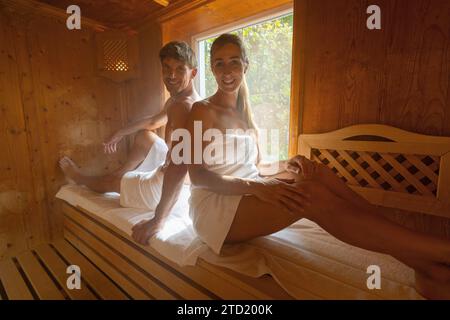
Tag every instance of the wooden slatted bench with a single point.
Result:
(42, 274)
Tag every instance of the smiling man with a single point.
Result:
(149, 179)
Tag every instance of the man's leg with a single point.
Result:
(143, 142)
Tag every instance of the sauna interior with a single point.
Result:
(353, 93)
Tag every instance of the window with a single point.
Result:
(269, 48)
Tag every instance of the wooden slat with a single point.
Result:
(46, 10)
(152, 288)
(376, 146)
(14, 285)
(164, 3)
(183, 288)
(363, 173)
(106, 266)
(422, 167)
(444, 179)
(385, 175)
(58, 268)
(339, 167)
(297, 75)
(212, 278)
(42, 283)
(131, 289)
(97, 280)
(405, 201)
(405, 173)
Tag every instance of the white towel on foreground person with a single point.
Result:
(155, 157)
(142, 187)
(304, 259)
(212, 213)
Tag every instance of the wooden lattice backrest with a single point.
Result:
(386, 165)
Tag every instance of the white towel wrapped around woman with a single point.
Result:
(212, 214)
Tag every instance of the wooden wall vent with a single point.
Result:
(117, 56)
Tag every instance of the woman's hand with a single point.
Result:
(110, 146)
(301, 165)
(293, 198)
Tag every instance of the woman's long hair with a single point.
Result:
(243, 101)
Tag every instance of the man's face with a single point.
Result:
(176, 75)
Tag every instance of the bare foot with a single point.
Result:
(432, 276)
(71, 170)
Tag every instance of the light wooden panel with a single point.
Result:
(224, 283)
(144, 96)
(52, 104)
(12, 281)
(41, 282)
(397, 76)
(212, 15)
(18, 208)
(116, 14)
(58, 269)
(297, 74)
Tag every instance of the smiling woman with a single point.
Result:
(269, 46)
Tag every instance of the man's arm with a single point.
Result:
(172, 184)
(149, 123)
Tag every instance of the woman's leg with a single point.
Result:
(143, 142)
(357, 224)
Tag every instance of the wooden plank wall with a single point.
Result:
(52, 103)
(144, 93)
(397, 76)
(212, 15)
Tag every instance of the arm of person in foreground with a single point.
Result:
(271, 190)
(174, 175)
(172, 185)
(149, 123)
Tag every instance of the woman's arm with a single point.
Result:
(228, 185)
(288, 197)
(199, 175)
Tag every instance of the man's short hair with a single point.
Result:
(179, 50)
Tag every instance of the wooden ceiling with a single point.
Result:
(118, 13)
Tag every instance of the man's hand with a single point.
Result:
(146, 229)
(110, 146)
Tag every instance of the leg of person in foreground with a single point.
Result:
(350, 218)
(143, 142)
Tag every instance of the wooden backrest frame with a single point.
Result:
(390, 145)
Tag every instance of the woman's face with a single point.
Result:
(228, 67)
